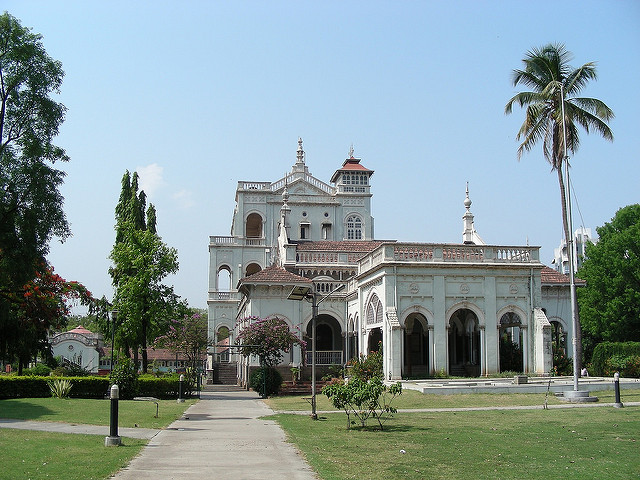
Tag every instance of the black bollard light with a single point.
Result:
(616, 387)
(113, 440)
(180, 399)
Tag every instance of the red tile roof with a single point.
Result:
(350, 165)
(274, 274)
(550, 276)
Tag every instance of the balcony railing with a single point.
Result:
(326, 357)
(224, 296)
(450, 253)
(239, 241)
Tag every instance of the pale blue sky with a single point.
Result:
(198, 95)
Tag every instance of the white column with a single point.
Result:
(483, 350)
(525, 348)
(431, 367)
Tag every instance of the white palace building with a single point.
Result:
(464, 309)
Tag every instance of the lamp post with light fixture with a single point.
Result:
(299, 293)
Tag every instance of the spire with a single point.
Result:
(300, 153)
(469, 234)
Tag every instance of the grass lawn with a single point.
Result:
(43, 455)
(575, 443)
(93, 412)
(412, 399)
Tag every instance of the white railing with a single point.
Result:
(326, 357)
(224, 296)
(325, 288)
(227, 240)
(455, 253)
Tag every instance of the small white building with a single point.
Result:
(464, 309)
(79, 347)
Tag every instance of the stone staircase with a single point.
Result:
(225, 374)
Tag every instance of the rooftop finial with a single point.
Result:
(351, 151)
(467, 200)
(300, 153)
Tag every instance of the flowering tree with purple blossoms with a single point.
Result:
(269, 339)
(188, 336)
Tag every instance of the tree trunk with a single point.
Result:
(565, 224)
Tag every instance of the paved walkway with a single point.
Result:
(221, 436)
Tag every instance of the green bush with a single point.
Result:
(273, 381)
(24, 387)
(625, 365)
(163, 387)
(125, 375)
(609, 357)
(367, 367)
(39, 370)
(37, 387)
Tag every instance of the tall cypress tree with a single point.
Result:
(140, 262)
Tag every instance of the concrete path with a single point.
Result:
(221, 436)
(58, 427)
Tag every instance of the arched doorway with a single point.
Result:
(375, 340)
(510, 343)
(222, 344)
(416, 348)
(464, 344)
(329, 348)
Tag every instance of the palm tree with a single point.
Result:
(555, 84)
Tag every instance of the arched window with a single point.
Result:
(354, 228)
(374, 310)
(254, 226)
(224, 279)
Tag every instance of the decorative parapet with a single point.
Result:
(218, 296)
(221, 240)
(450, 253)
(328, 257)
(287, 180)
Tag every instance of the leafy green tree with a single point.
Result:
(554, 88)
(141, 260)
(610, 301)
(31, 212)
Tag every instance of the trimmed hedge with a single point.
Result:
(611, 357)
(34, 387)
(12, 386)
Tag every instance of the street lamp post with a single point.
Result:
(299, 293)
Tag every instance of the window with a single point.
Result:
(304, 231)
(326, 231)
(354, 228)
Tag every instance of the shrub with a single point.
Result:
(625, 365)
(605, 351)
(39, 370)
(125, 375)
(367, 367)
(158, 387)
(273, 381)
(363, 399)
(60, 387)
(37, 387)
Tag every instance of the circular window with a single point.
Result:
(70, 347)
(326, 214)
(304, 214)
